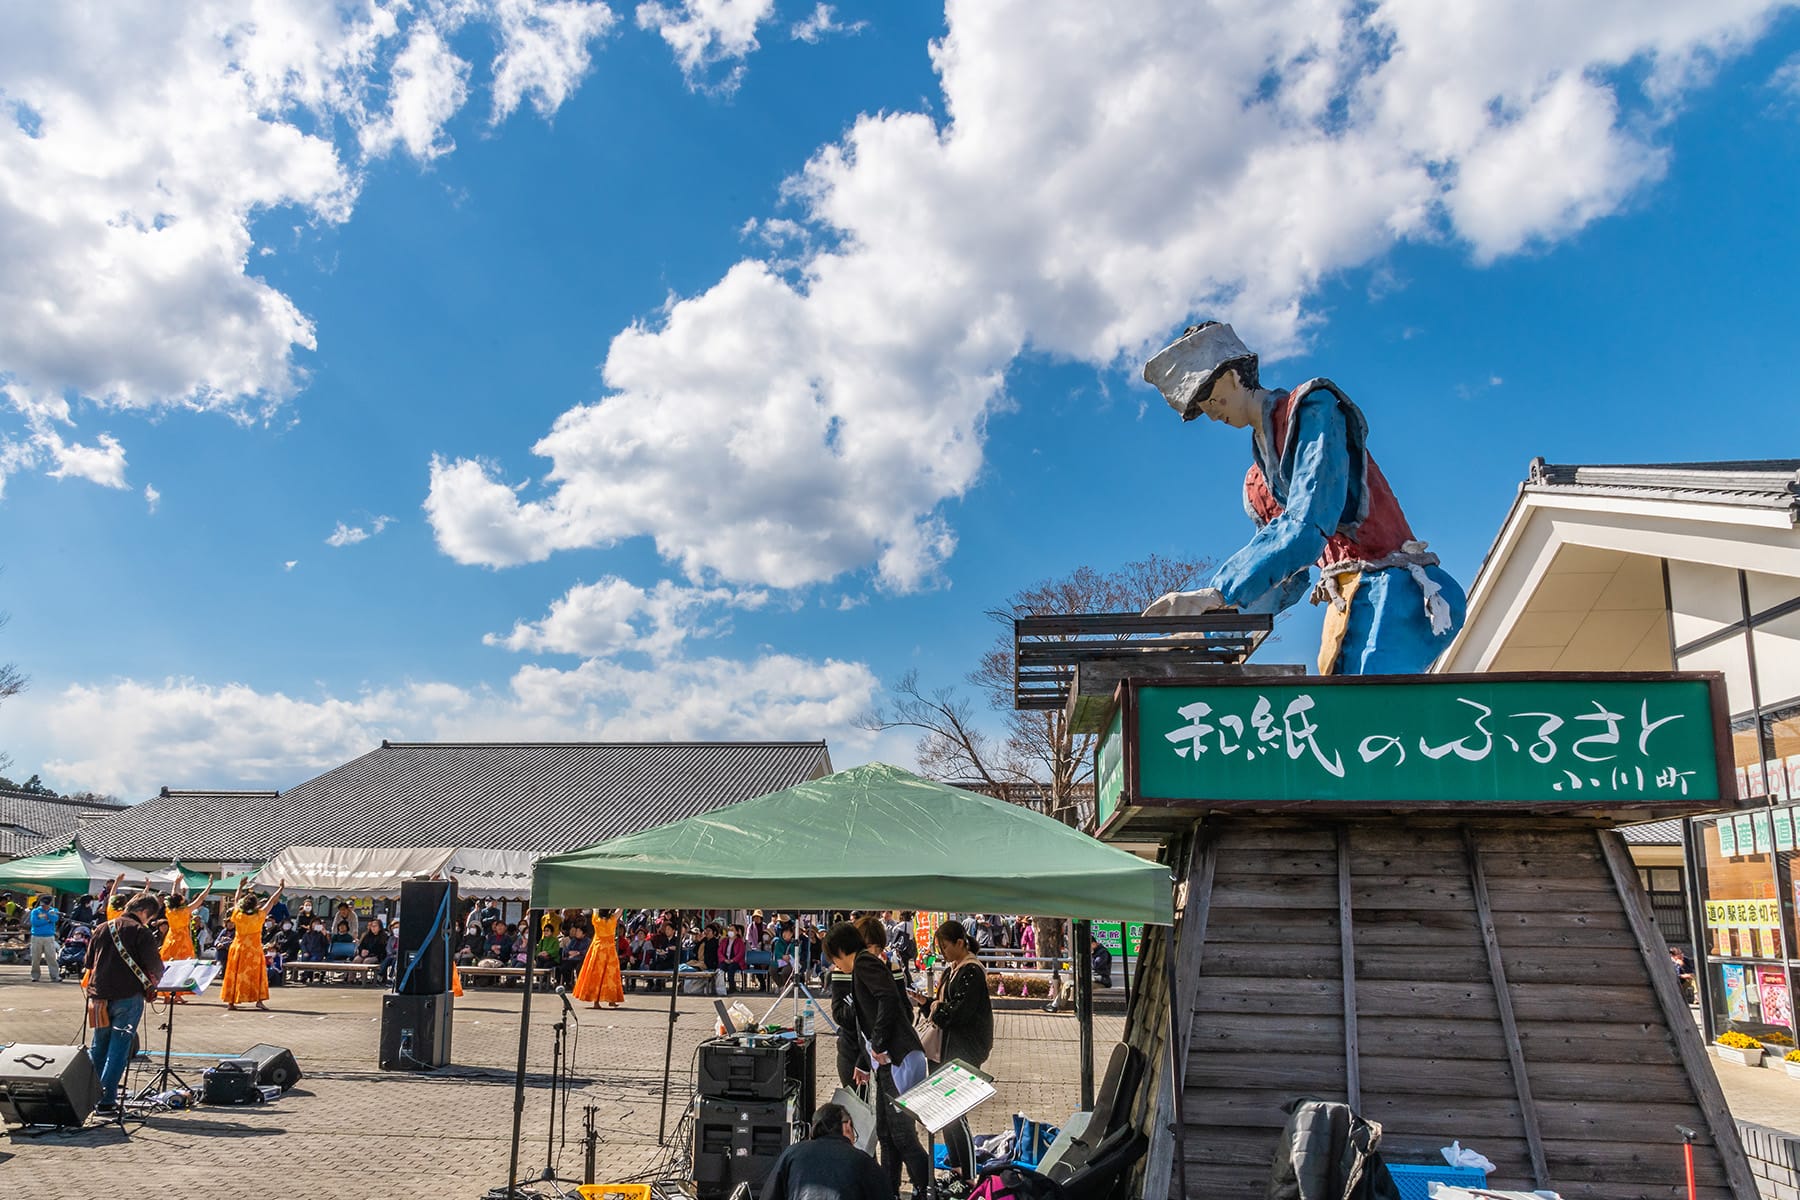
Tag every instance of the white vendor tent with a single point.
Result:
(372, 871)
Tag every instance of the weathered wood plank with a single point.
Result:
(1293, 997)
(1619, 1120)
(1238, 837)
(1427, 1073)
(1247, 929)
(1604, 1005)
(1249, 1070)
(1347, 943)
(1729, 1150)
(1282, 959)
(1515, 1050)
(1656, 1082)
(1447, 964)
(1410, 997)
(1225, 1032)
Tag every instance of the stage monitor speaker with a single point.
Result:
(47, 1085)
(738, 1142)
(427, 909)
(415, 1032)
(731, 1070)
(275, 1065)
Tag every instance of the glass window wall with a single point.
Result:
(1750, 920)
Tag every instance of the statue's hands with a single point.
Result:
(1187, 604)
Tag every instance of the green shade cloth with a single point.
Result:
(70, 869)
(873, 837)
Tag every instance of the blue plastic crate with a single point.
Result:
(1414, 1181)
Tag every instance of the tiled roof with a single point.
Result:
(540, 797)
(1763, 483)
(28, 820)
(1654, 833)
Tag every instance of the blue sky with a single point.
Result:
(809, 422)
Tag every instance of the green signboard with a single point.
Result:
(1431, 739)
(1109, 770)
(1108, 933)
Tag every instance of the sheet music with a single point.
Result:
(954, 1089)
(189, 975)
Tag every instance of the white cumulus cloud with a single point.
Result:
(138, 142)
(614, 616)
(129, 737)
(152, 497)
(821, 23)
(706, 33)
(1098, 178)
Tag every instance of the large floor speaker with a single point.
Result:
(415, 1032)
(275, 1065)
(47, 1085)
(738, 1141)
(427, 926)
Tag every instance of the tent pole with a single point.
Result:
(1177, 1076)
(662, 1121)
(1125, 961)
(1084, 1007)
(512, 1168)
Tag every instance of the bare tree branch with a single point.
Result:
(1036, 748)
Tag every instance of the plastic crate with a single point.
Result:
(614, 1191)
(1414, 1180)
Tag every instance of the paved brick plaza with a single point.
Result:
(350, 1130)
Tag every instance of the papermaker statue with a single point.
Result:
(1318, 499)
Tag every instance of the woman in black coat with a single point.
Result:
(884, 1019)
(963, 1012)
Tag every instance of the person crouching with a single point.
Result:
(827, 1166)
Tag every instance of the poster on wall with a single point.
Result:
(1741, 826)
(1784, 828)
(1737, 1004)
(1753, 780)
(1759, 822)
(1793, 774)
(925, 927)
(1777, 775)
(1777, 1004)
(1727, 839)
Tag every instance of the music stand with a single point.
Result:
(954, 1090)
(184, 977)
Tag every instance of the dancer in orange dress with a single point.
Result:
(600, 979)
(178, 942)
(246, 971)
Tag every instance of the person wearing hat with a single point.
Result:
(1318, 500)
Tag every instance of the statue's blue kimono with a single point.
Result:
(1320, 500)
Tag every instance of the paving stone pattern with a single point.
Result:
(350, 1130)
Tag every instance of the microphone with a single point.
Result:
(564, 993)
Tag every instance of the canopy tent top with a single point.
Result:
(873, 837)
(75, 870)
(375, 871)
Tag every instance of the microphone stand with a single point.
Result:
(558, 1070)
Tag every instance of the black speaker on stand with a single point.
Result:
(427, 937)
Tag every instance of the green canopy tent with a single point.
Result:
(73, 870)
(873, 837)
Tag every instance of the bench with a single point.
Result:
(546, 977)
(345, 971)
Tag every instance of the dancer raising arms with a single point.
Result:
(600, 979)
(246, 972)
